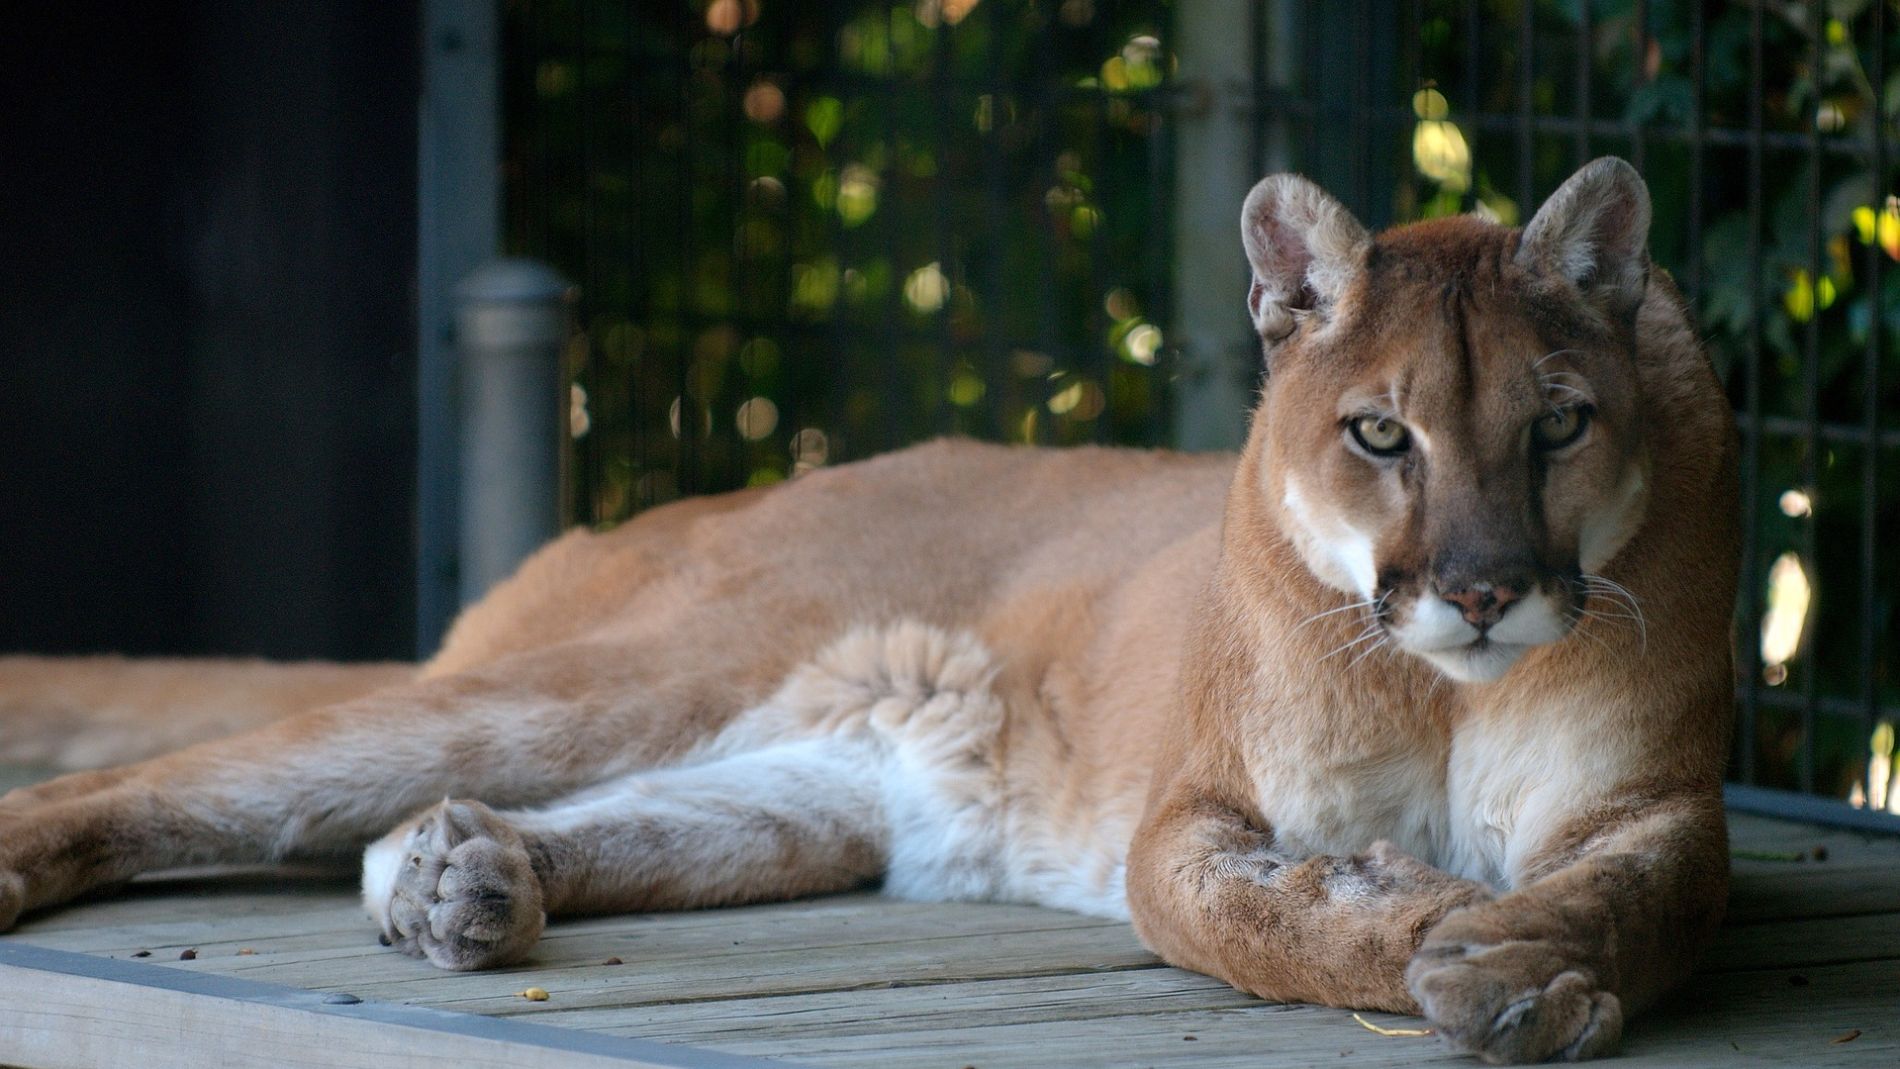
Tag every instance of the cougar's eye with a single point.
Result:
(1382, 436)
(1560, 427)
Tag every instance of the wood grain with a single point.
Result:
(1811, 953)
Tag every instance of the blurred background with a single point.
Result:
(800, 234)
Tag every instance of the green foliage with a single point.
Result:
(920, 209)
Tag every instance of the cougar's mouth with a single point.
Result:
(1482, 660)
(1468, 653)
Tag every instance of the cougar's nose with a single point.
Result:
(1483, 604)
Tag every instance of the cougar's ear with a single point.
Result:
(1304, 247)
(1594, 234)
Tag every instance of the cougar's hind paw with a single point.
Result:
(456, 887)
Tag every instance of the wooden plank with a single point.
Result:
(768, 950)
(73, 1011)
(212, 905)
(1758, 897)
(706, 954)
(1743, 1019)
(288, 922)
(892, 1010)
(1820, 941)
(860, 980)
(1261, 1036)
(824, 965)
(787, 963)
(1230, 1031)
(1750, 832)
(254, 908)
(1777, 1017)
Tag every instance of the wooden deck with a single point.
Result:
(1807, 973)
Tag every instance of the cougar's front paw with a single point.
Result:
(1513, 1001)
(455, 887)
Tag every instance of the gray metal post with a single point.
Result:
(459, 215)
(1219, 145)
(511, 326)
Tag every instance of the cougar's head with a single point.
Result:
(1451, 429)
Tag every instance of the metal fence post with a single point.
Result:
(511, 326)
(1215, 131)
(458, 208)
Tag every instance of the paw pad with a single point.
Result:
(465, 895)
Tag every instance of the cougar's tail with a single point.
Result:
(91, 712)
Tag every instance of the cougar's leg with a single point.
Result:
(1208, 891)
(880, 752)
(469, 887)
(95, 712)
(1615, 908)
(522, 730)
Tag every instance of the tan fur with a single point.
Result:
(94, 712)
(1063, 677)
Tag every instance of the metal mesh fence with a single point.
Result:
(807, 239)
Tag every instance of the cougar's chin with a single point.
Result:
(1484, 660)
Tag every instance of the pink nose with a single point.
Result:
(1482, 604)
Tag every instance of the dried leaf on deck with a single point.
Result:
(1370, 1027)
(1769, 855)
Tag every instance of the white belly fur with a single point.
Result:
(923, 696)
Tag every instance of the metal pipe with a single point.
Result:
(511, 327)
(458, 207)
(1215, 143)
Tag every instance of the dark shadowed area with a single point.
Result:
(206, 339)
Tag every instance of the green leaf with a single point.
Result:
(824, 117)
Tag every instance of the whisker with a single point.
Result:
(1606, 617)
(1600, 614)
(1371, 631)
(1369, 651)
(1606, 587)
(1577, 629)
(1553, 352)
(1612, 598)
(1610, 584)
(1621, 596)
(1331, 612)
